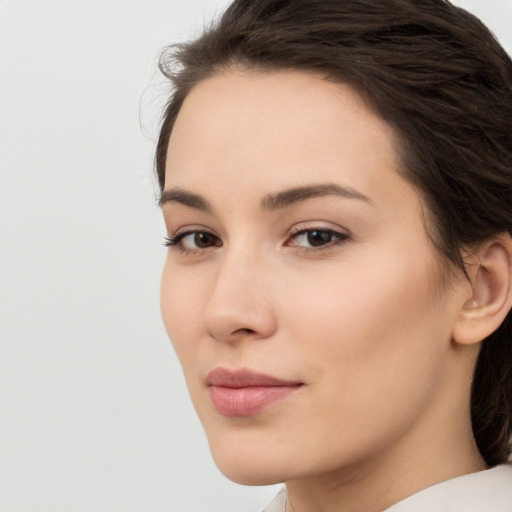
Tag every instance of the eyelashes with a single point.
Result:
(316, 238)
(308, 240)
(193, 240)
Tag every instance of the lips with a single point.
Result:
(245, 393)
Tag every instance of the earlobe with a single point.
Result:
(490, 273)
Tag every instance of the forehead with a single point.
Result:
(262, 131)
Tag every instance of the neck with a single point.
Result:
(376, 485)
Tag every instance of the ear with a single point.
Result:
(490, 273)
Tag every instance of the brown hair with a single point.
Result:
(436, 74)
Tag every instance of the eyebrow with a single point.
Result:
(271, 202)
(289, 197)
(180, 196)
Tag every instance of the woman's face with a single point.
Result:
(300, 291)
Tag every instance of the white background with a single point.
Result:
(94, 415)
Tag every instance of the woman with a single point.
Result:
(336, 183)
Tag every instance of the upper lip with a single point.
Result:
(243, 378)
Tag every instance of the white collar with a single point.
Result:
(485, 491)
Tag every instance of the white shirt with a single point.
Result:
(485, 491)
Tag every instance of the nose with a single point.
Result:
(240, 304)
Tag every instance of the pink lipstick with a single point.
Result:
(244, 393)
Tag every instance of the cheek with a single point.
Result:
(372, 344)
(180, 302)
(373, 331)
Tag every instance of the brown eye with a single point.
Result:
(203, 240)
(197, 240)
(317, 238)
(193, 241)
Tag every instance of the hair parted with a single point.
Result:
(437, 75)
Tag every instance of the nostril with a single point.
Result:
(246, 331)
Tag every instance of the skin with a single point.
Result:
(364, 321)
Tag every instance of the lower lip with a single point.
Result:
(249, 400)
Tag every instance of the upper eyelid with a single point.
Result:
(192, 228)
(329, 230)
(338, 233)
(293, 231)
(180, 234)
(318, 226)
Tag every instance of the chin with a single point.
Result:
(245, 473)
(248, 466)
